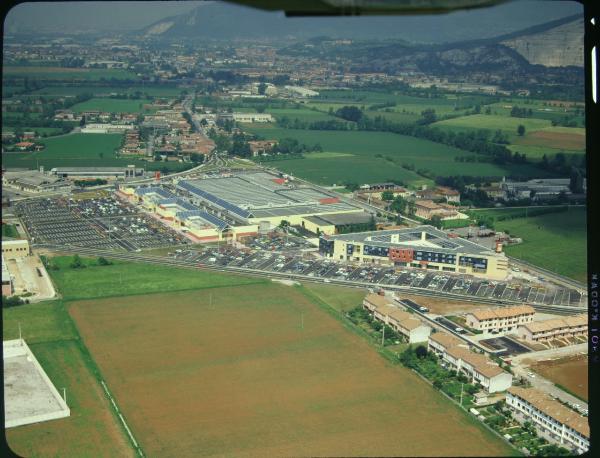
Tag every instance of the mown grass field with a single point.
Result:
(556, 241)
(379, 156)
(60, 73)
(112, 105)
(263, 371)
(91, 429)
(124, 279)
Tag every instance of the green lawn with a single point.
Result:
(10, 231)
(124, 278)
(556, 241)
(379, 156)
(338, 297)
(60, 73)
(111, 105)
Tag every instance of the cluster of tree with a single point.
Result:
(293, 146)
(88, 183)
(227, 76)
(399, 204)
(428, 116)
(566, 121)
(13, 301)
(349, 113)
(358, 227)
(561, 164)
(517, 112)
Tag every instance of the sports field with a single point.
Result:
(379, 156)
(91, 428)
(556, 241)
(260, 370)
(570, 372)
(111, 105)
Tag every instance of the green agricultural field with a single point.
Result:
(81, 150)
(112, 105)
(492, 122)
(61, 73)
(53, 338)
(154, 91)
(124, 279)
(556, 241)
(379, 156)
(302, 114)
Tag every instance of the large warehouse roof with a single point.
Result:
(263, 195)
(418, 238)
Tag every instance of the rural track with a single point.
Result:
(162, 260)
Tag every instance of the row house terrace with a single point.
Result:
(500, 319)
(557, 422)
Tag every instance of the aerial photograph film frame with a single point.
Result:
(315, 8)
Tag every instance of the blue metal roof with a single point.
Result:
(207, 217)
(214, 199)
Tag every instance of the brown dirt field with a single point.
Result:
(91, 430)
(242, 377)
(570, 372)
(443, 306)
(559, 140)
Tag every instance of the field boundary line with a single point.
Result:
(120, 415)
(95, 372)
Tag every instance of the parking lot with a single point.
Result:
(508, 346)
(100, 223)
(277, 241)
(272, 255)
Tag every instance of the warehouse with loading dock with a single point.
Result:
(422, 247)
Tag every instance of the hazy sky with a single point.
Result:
(106, 16)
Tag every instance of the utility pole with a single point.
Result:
(383, 335)
(20, 338)
(461, 393)
(302, 320)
